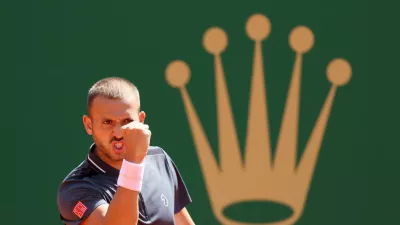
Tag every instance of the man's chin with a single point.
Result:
(118, 157)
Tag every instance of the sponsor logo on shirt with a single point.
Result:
(164, 199)
(79, 209)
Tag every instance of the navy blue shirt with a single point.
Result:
(94, 183)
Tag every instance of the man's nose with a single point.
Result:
(118, 131)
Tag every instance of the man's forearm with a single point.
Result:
(123, 209)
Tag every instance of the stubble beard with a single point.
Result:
(105, 152)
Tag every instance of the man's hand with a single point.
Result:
(136, 140)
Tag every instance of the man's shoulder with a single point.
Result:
(159, 155)
(77, 177)
(79, 171)
(156, 150)
(159, 152)
(78, 194)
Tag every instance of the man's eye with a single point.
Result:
(128, 120)
(107, 122)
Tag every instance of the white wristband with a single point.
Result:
(131, 175)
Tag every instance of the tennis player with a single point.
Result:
(122, 180)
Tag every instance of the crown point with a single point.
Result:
(177, 74)
(339, 72)
(215, 40)
(301, 39)
(258, 27)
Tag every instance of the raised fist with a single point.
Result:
(136, 140)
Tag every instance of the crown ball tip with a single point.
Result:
(177, 74)
(215, 40)
(301, 39)
(258, 27)
(339, 71)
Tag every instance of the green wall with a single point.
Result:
(62, 48)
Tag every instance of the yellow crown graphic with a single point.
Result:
(258, 176)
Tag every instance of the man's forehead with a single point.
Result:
(121, 107)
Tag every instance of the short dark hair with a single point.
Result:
(113, 88)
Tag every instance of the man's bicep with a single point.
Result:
(97, 216)
(76, 202)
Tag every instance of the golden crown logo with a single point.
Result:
(258, 176)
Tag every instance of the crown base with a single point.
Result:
(258, 211)
(272, 212)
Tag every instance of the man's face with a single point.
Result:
(107, 118)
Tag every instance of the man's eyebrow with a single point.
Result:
(123, 118)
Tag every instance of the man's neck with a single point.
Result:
(115, 164)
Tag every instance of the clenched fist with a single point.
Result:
(136, 140)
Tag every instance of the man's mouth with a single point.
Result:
(118, 146)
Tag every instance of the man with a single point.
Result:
(123, 180)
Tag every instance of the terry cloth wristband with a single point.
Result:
(131, 175)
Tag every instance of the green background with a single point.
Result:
(62, 47)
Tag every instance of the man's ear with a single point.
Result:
(87, 122)
(142, 116)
